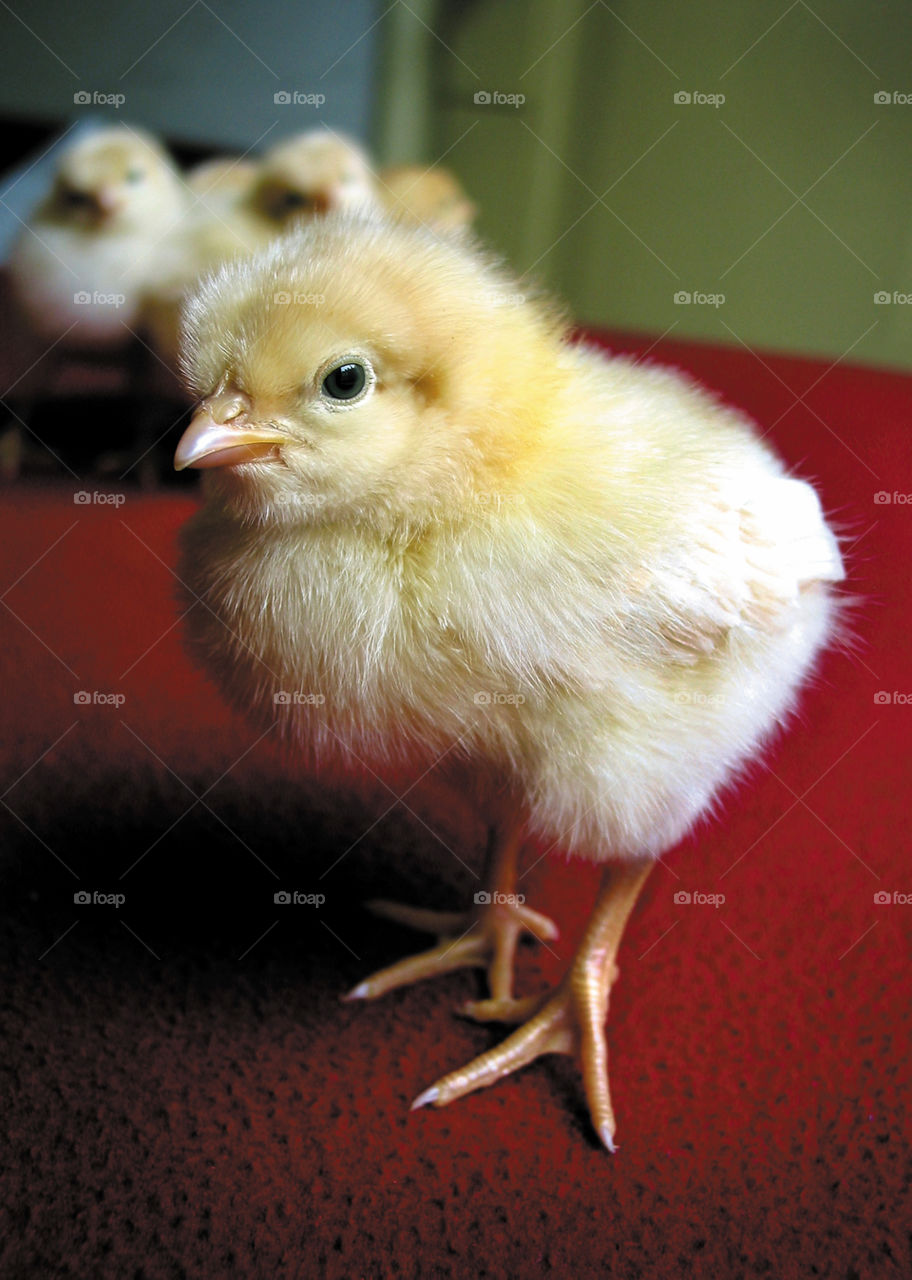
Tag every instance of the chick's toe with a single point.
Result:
(484, 938)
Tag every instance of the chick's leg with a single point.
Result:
(572, 1020)
(485, 937)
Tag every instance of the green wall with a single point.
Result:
(618, 198)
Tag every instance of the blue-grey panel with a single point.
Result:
(230, 75)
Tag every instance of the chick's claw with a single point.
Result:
(485, 938)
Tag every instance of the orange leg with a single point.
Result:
(484, 937)
(572, 1020)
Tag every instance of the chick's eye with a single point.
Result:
(346, 381)
(77, 199)
(135, 175)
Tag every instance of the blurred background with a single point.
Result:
(725, 171)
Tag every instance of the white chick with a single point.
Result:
(81, 264)
(581, 583)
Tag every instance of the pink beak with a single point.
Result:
(219, 436)
(109, 201)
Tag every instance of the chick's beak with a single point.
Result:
(222, 435)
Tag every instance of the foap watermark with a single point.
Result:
(883, 898)
(98, 498)
(497, 501)
(684, 298)
(885, 499)
(297, 98)
(96, 898)
(884, 698)
(95, 98)
(685, 697)
(499, 298)
(494, 98)
(95, 698)
(693, 98)
(497, 899)
(295, 898)
(892, 97)
(285, 298)
(894, 297)
(297, 698)
(85, 299)
(684, 898)
(495, 699)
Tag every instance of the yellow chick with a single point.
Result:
(433, 197)
(306, 176)
(578, 585)
(80, 266)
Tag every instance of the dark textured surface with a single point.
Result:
(185, 1095)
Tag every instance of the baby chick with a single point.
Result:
(580, 585)
(430, 196)
(311, 174)
(80, 265)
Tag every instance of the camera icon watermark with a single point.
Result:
(685, 298)
(683, 898)
(83, 298)
(499, 298)
(884, 297)
(485, 699)
(297, 98)
(83, 498)
(884, 98)
(696, 99)
(697, 698)
(496, 899)
(85, 98)
(295, 898)
(94, 698)
(884, 698)
(283, 298)
(297, 698)
(882, 898)
(83, 898)
(494, 98)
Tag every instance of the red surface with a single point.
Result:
(184, 1092)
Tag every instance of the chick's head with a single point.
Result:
(368, 370)
(309, 175)
(117, 179)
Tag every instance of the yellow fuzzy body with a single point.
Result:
(576, 575)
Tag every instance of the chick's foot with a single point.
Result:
(484, 938)
(570, 1021)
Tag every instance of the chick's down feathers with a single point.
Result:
(441, 540)
(583, 574)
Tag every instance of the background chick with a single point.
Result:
(240, 206)
(433, 197)
(578, 586)
(81, 264)
(309, 175)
